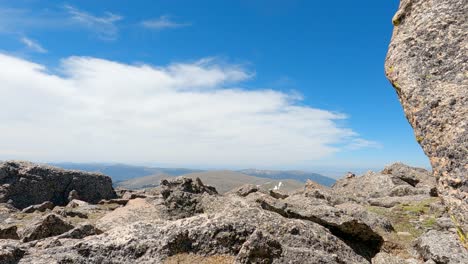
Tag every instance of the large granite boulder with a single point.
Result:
(441, 247)
(396, 184)
(23, 184)
(427, 64)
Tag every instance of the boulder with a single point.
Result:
(182, 196)
(39, 207)
(81, 231)
(259, 248)
(244, 190)
(47, 226)
(25, 184)
(355, 232)
(396, 184)
(10, 253)
(9, 232)
(427, 65)
(441, 247)
(385, 258)
(114, 201)
(77, 203)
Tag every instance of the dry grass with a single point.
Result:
(411, 218)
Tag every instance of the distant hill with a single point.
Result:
(122, 172)
(301, 176)
(223, 181)
(151, 176)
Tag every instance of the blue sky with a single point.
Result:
(317, 60)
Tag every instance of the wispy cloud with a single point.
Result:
(163, 22)
(182, 113)
(105, 26)
(32, 45)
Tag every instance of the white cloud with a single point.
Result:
(33, 45)
(163, 22)
(104, 26)
(181, 114)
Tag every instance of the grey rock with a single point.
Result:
(376, 222)
(133, 195)
(9, 232)
(357, 233)
(441, 247)
(182, 196)
(26, 184)
(244, 190)
(73, 195)
(114, 201)
(206, 234)
(81, 231)
(39, 207)
(10, 253)
(47, 226)
(259, 248)
(385, 258)
(444, 223)
(393, 201)
(278, 194)
(412, 175)
(396, 184)
(77, 203)
(427, 65)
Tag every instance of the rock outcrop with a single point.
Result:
(186, 221)
(396, 184)
(427, 64)
(23, 184)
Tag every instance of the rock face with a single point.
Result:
(427, 63)
(23, 184)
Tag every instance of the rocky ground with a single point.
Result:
(393, 216)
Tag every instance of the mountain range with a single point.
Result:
(136, 177)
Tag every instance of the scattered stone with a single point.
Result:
(245, 190)
(9, 232)
(81, 231)
(39, 207)
(278, 195)
(385, 258)
(132, 195)
(77, 203)
(73, 195)
(259, 248)
(49, 225)
(114, 201)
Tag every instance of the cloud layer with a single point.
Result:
(181, 114)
